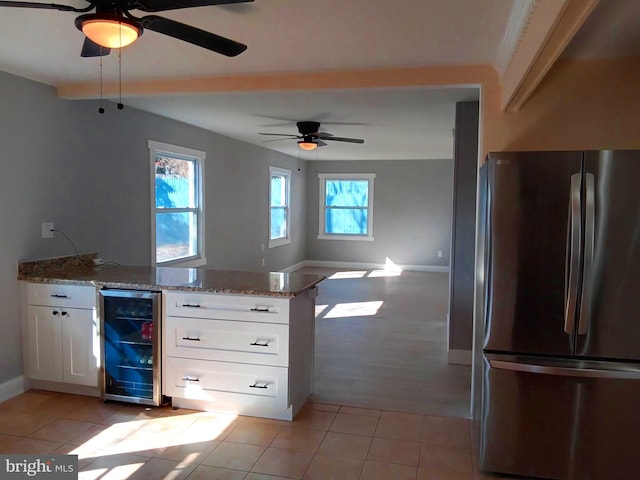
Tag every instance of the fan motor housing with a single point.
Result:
(307, 128)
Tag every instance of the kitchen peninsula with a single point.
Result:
(231, 340)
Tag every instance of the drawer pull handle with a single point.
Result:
(189, 379)
(255, 385)
(55, 312)
(192, 339)
(260, 343)
(55, 295)
(260, 309)
(191, 305)
(64, 314)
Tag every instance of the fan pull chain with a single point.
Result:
(101, 108)
(120, 105)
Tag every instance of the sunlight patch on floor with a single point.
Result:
(122, 438)
(119, 472)
(390, 269)
(349, 274)
(356, 309)
(384, 273)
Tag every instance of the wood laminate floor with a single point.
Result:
(381, 343)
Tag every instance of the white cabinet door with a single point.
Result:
(45, 343)
(81, 347)
(64, 345)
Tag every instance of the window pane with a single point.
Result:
(176, 236)
(347, 221)
(278, 222)
(278, 191)
(347, 193)
(175, 183)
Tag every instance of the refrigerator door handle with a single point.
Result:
(573, 252)
(589, 240)
(565, 371)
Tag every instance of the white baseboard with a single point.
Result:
(295, 267)
(366, 266)
(459, 357)
(11, 388)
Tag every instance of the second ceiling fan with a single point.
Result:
(310, 137)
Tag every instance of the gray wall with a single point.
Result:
(412, 213)
(461, 284)
(62, 162)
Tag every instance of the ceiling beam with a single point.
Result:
(472, 75)
(550, 26)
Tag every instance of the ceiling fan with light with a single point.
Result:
(311, 137)
(113, 26)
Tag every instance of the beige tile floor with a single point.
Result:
(325, 441)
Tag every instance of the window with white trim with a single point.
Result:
(346, 206)
(279, 212)
(177, 219)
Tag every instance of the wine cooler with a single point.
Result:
(130, 321)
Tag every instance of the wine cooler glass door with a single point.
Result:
(130, 354)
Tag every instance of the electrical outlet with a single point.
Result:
(440, 253)
(47, 230)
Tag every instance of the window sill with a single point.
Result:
(279, 242)
(346, 237)
(190, 263)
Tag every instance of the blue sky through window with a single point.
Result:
(346, 203)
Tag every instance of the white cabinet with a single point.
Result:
(63, 341)
(247, 354)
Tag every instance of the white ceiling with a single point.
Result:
(303, 36)
(408, 123)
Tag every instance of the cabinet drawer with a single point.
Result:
(227, 383)
(229, 341)
(58, 295)
(228, 307)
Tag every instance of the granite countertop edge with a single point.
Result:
(178, 288)
(210, 281)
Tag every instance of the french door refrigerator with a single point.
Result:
(561, 346)
(131, 358)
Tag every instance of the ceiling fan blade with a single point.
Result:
(162, 5)
(276, 140)
(280, 134)
(342, 139)
(193, 35)
(344, 123)
(320, 143)
(47, 6)
(92, 49)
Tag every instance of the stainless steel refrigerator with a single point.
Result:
(561, 345)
